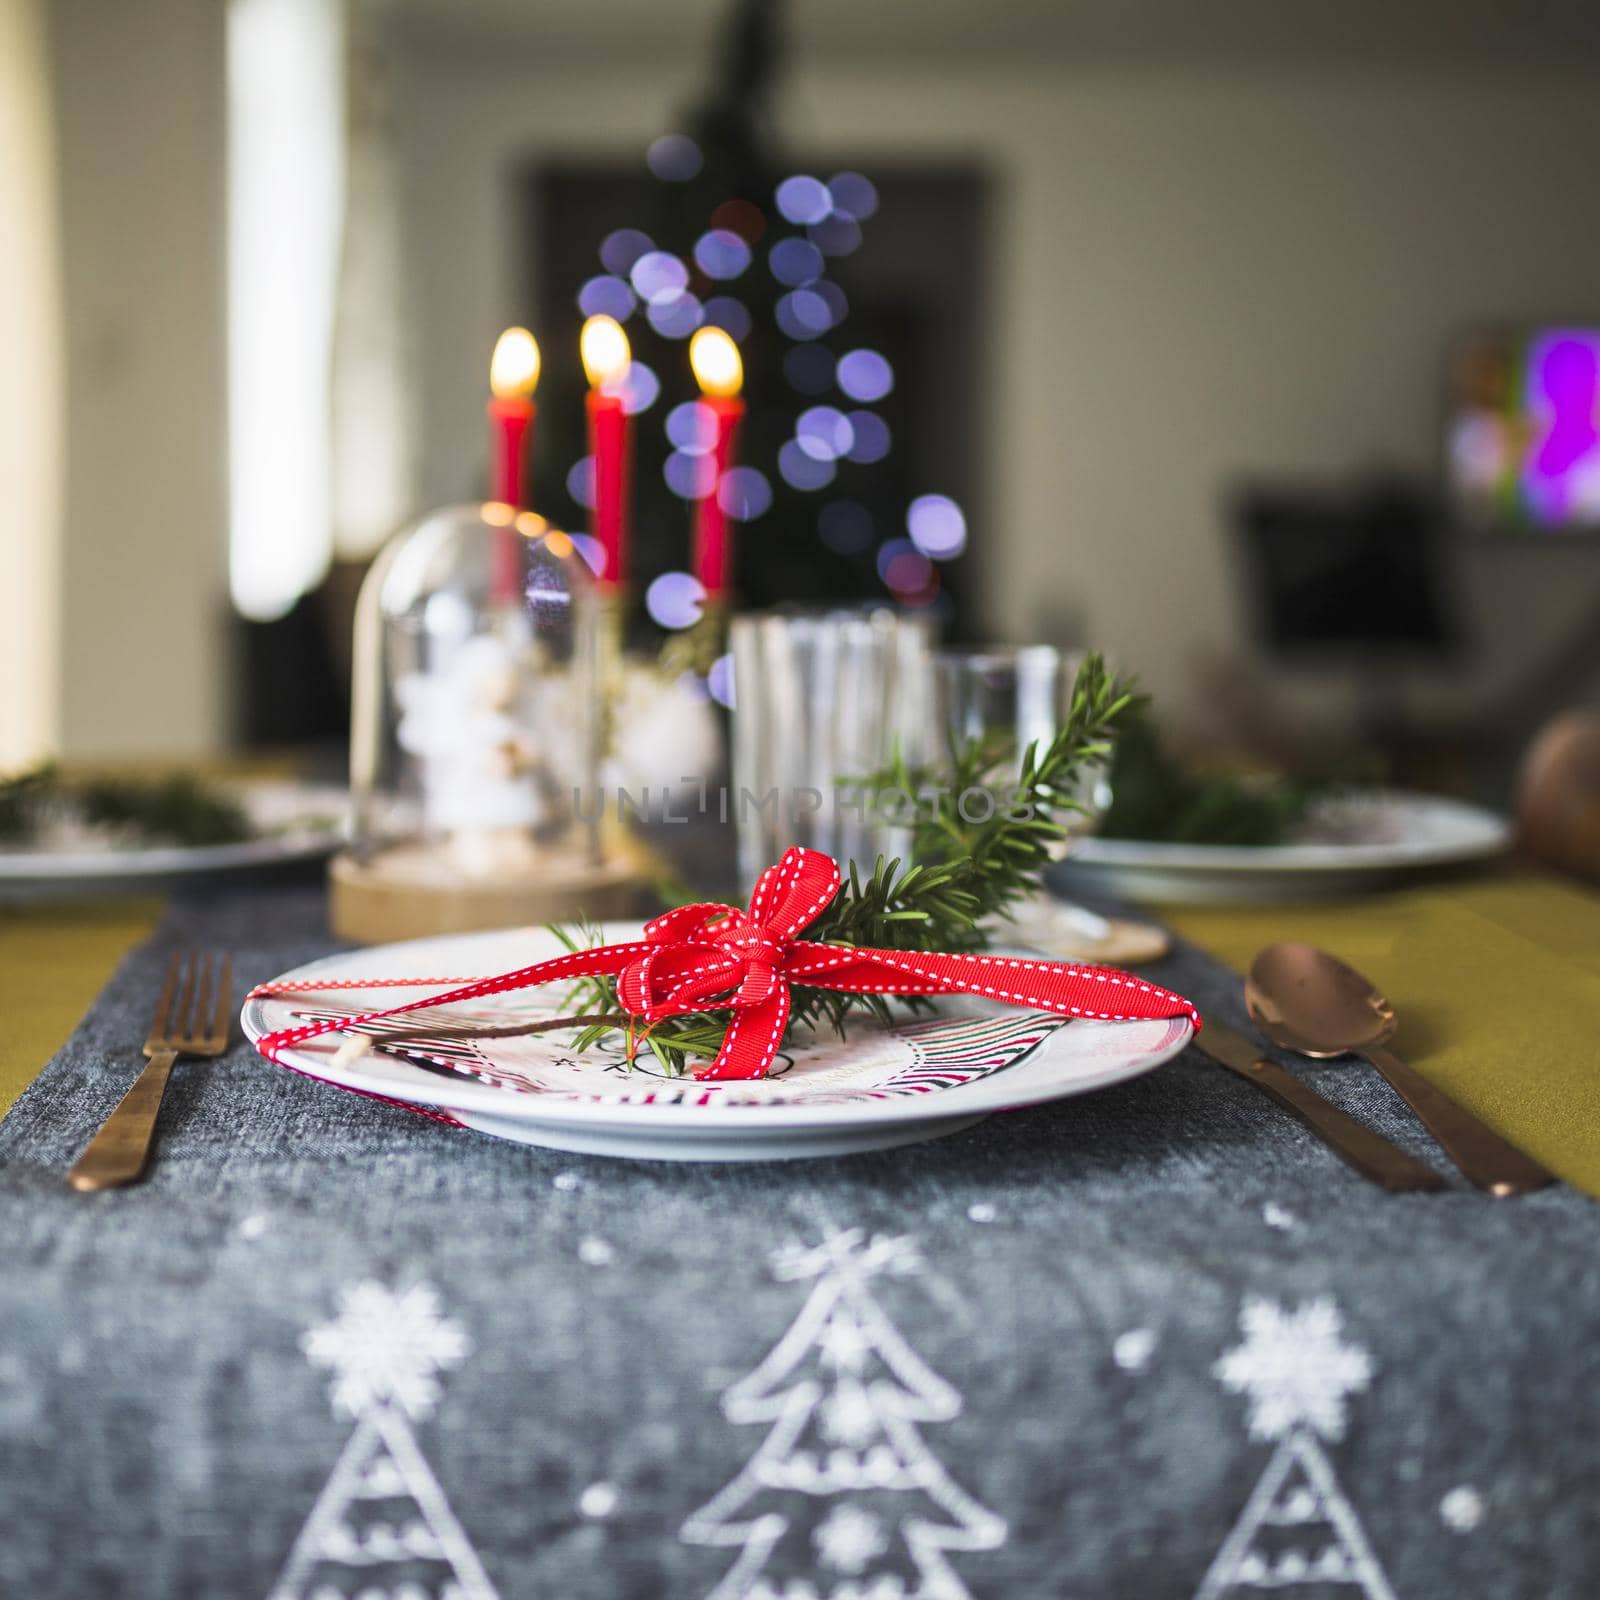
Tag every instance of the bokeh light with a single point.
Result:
(865, 375)
(674, 158)
(580, 482)
(606, 296)
(744, 493)
(721, 253)
(937, 526)
(675, 599)
(619, 250)
(836, 235)
(803, 471)
(740, 217)
(795, 261)
(592, 551)
(804, 314)
(690, 477)
(676, 318)
(853, 194)
(809, 369)
(824, 433)
(658, 275)
(870, 439)
(846, 526)
(905, 569)
(803, 198)
(832, 297)
(639, 388)
(723, 311)
(719, 682)
(692, 427)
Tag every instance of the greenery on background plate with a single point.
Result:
(1158, 798)
(177, 810)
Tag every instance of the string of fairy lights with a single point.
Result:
(748, 263)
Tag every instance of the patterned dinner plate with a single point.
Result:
(881, 1086)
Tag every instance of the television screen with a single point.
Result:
(1524, 430)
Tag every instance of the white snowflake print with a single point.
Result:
(1462, 1508)
(385, 1350)
(850, 1539)
(387, 1347)
(1298, 1528)
(1295, 1368)
(849, 1253)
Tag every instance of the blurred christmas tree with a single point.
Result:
(725, 234)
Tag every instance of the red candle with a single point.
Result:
(606, 359)
(720, 374)
(513, 376)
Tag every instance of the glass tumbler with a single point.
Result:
(823, 699)
(1011, 698)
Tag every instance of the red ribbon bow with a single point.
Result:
(713, 957)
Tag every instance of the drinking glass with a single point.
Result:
(1011, 698)
(824, 698)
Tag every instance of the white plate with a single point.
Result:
(1361, 841)
(881, 1087)
(296, 822)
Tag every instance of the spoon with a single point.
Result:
(1308, 1001)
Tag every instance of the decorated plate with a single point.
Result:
(1350, 845)
(881, 1086)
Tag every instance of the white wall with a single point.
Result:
(1199, 273)
(139, 96)
(31, 388)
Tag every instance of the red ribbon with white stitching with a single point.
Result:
(711, 957)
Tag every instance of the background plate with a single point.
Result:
(298, 822)
(1363, 841)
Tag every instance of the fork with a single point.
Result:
(191, 1020)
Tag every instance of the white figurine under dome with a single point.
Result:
(479, 770)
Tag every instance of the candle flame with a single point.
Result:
(497, 513)
(715, 360)
(514, 369)
(558, 544)
(605, 352)
(531, 525)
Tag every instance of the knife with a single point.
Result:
(1369, 1153)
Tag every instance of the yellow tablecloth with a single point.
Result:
(1497, 983)
(1497, 986)
(53, 960)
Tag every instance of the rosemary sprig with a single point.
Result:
(958, 874)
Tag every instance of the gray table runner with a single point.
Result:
(1153, 1342)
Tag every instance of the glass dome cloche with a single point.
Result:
(475, 730)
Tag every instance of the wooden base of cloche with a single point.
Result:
(416, 889)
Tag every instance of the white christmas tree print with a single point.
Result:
(382, 1525)
(843, 1500)
(1298, 1530)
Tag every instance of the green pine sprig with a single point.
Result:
(958, 874)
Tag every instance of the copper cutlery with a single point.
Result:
(1308, 1001)
(1353, 1142)
(191, 1019)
